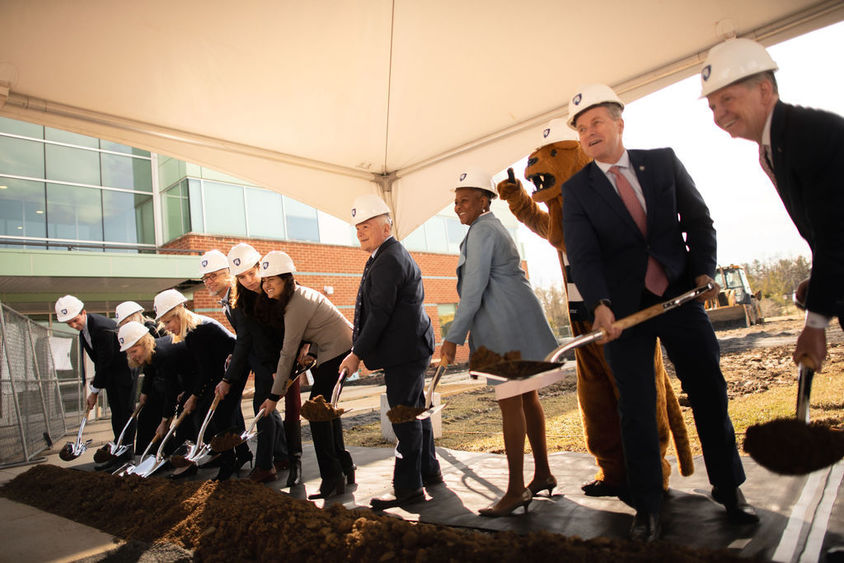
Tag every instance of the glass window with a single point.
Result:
(170, 171)
(224, 212)
(73, 165)
(127, 217)
(126, 149)
(335, 231)
(435, 233)
(22, 208)
(265, 215)
(21, 128)
(197, 221)
(176, 211)
(416, 240)
(74, 212)
(21, 158)
(446, 314)
(456, 232)
(71, 138)
(302, 221)
(126, 172)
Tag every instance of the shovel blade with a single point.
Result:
(430, 412)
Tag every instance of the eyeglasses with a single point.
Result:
(211, 276)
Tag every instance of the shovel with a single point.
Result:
(338, 388)
(503, 371)
(72, 450)
(429, 396)
(152, 464)
(116, 449)
(197, 453)
(130, 467)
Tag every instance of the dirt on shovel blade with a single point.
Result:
(103, 454)
(791, 447)
(66, 453)
(318, 410)
(510, 365)
(401, 413)
(225, 441)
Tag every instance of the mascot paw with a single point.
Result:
(507, 189)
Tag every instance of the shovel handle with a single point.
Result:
(511, 177)
(429, 396)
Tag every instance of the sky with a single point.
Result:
(750, 220)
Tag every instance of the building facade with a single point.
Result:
(109, 223)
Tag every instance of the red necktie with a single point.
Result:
(765, 162)
(655, 279)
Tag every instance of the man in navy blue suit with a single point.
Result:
(802, 152)
(98, 337)
(392, 331)
(638, 232)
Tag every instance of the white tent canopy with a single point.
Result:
(325, 100)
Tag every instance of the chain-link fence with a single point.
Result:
(32, 404)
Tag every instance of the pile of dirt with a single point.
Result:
(791, 447)
(240, 520)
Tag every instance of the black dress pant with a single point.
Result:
(332, 456)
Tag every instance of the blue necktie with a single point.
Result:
(358, 301)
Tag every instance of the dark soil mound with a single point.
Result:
(242, 521)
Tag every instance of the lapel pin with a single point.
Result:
(641, 168)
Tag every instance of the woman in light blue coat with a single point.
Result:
(499, 311)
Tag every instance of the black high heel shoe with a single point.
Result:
(330, 487)
(225, 472)
(295, 476)
(549, 483)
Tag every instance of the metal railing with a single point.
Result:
(32, 403)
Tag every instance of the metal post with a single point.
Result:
(5, 353)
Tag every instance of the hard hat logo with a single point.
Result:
(546, 132)
(121, 340)
(577, 99)
(354, 211)
(64, 311)
(462, 177)
(236, 261)
(266, 265)
(204, 263)
(706, 72)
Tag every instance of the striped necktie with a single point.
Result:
(655, 279)
(358, 301)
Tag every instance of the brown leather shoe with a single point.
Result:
(262, 475)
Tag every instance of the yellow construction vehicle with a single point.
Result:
(736, 305)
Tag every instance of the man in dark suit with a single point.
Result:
(802, 152)
(638, 232)
(98, 336)
(393, 332)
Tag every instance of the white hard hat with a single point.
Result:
(733, 60)
(555, 132)
(588, 96)
(242, 257)
(165, 301)
(129, 334)
(367, 206)
(212, 261)
(68, 307)
(472, 178)
(276, 263)
(122, 311)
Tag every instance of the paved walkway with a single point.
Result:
(800, 516)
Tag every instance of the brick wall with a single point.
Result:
(323, 266)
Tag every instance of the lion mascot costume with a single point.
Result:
(549, 167)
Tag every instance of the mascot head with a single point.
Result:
(552, 164)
